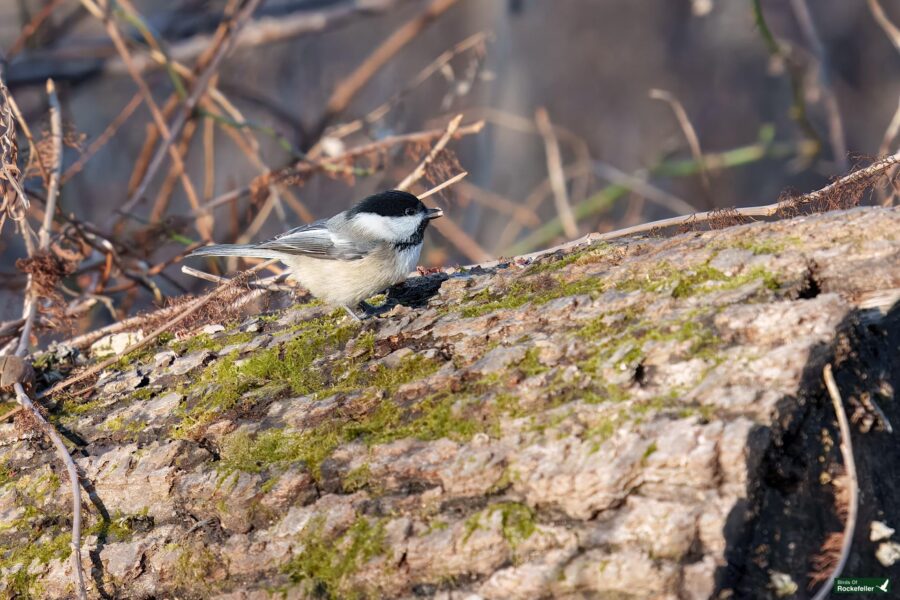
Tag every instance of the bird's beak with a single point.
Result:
(434, 213)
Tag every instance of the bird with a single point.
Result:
(351, 256)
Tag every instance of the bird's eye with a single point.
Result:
(410, 212)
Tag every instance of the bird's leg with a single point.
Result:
(353, 315)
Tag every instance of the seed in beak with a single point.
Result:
(434, 213)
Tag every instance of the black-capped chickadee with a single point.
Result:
(351, 256)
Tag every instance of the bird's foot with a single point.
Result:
(374, 311)
(368, 311)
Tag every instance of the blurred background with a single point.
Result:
(598, 114)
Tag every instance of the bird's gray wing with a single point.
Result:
(317, 241)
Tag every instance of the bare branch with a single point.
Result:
(890, 134)
(264, 30)
(197, 92)
(103, 138)
(836, 134)
(353, 83)
(450, 230)
(269, 284)
(32, 27)
(345, 129)
(690, 134)
(115, 35)
(31, 299)
(334, 162)
(891, 30)
(74, 484)
(645, 189)
(56, 134)
(500, 204)
(441, 186)
(579, 170)
(852, 482)
(555, 173)
(879, 166)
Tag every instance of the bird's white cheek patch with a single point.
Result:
(386, 228)
(371, 225)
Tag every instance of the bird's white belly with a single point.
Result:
(348, 282)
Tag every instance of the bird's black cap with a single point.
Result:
(392, 203)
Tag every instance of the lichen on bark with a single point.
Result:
(628, 419)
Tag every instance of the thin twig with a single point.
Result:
(202, 275)
(269, 283)
(535, 199)
(836, 134)
(690, 134)
(852, 482)
(879, 166)
(890, 134)
(353, 83)
(783, 56)
(32, 27)
(580, 169)
(33, 153)
(555, 173)
(640, 186)
(10, 178)
(197, 92)
(419, 171)
(74, 484)
(441, 186)
(500, 204)
(209, 158)
(115, 35)
(103, 138)
(281, 174)
(9, 155)
(164, 194)
(345, 129)
(461, 240)
(8, 328)
(31, 298)
(56, 134)
(450, 230)
(603, 199)
(268, 30)
(11, 413)
(152, 137)
(891, 30)
(249, 146)
(455, 234)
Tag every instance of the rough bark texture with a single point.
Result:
(642, 419)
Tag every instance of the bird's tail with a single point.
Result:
(245, 250)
